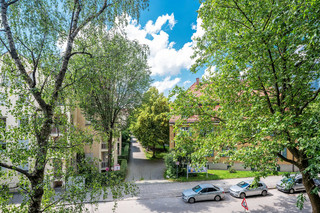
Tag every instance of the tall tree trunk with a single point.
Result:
(154, 151)
(36, 192)
(110, 148)
(309, 185)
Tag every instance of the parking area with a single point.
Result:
(275, 201)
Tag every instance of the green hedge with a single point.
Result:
(123, 169)
(125, 153)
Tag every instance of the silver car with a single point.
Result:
(203, 192)
(247, 188)
(293, 183)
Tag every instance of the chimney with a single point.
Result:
(197, 81)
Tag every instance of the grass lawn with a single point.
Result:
(159, 155)
(217, 175)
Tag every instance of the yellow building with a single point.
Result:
(222, 164)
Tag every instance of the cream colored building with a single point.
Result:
(99, 148)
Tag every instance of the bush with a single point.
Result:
(125, 136)
(125, 153)
(123, 169)
(232, 170)
(170, 166)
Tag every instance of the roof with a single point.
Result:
(205, 185)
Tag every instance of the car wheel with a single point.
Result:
(242, 195)
(191, 200)
(291, 191)
(217, 198)
(264, 193)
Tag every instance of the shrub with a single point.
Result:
(123, 169)
(125, 153)
(232, 170)
(125, 136)
(170, 166)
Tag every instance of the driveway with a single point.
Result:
(140, 169)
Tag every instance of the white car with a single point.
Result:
(247, 188)
(203, 192)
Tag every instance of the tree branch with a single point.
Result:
(37, 61)
(243, 13)
(275, 77)
(267, 96)
(53, 203)
(12, 2)
(4, 45)
(22, 171)
(265, 25)
(83, 52)
(286, 159)
(309, 101)
(90, 18)
(15, 56)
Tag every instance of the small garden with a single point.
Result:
(160, 152)
(172, 170)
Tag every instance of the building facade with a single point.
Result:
(223, 162)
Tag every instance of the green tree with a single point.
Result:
(115, 80)
(151, 124)
(34, 69)
(266, 55)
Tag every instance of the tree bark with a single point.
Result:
(309, 186)
(37, 192)
(110, 149)
(154, 151)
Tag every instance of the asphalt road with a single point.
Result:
(140, 168)
(275, 201)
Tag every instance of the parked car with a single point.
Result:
(203, 192)
(248, 188)
(293, 183)
(317, 182)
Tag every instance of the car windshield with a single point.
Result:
(243, 184)
(196, 188)
(286, 180)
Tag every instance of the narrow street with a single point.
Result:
(140, 169)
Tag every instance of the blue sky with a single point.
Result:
(168, 27)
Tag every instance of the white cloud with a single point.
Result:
(209, 72)
(161, 20)
(186, 83)
(199, 30)
(166, 84)
(164, 59)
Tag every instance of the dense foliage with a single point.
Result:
(37, 47)
(263, 91)
(113, 82)
(151, 124)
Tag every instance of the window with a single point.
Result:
(204, 190)
(299, 181)
(186, 129)
(206, 131)
(211, 190)
(284, 152)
